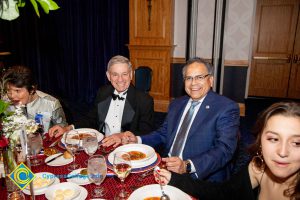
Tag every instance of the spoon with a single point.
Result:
(163, 196)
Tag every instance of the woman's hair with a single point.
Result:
(21, 76)
(288, 109)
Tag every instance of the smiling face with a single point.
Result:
(197, 89)
(120, 76)
(280, 143)
(18, 95)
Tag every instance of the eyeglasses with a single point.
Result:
(198, 78)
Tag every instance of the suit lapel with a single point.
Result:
(201, 114)
(129, 111)
(103, 107)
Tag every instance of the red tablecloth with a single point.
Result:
(112, 185)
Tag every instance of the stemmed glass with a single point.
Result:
(90, 145)
(122, 168)
(35, 144)
(72, 142)
(97, 170)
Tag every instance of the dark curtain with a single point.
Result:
(68, 49)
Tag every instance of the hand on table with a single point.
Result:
(175, 164)
(57, 130)
(118, 138)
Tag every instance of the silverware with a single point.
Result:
(145, 174)
(54, 143)
(52, 159)
(164, 196)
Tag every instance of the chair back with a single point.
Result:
(143, 78)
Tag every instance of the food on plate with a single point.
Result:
(63, 194)
(83, 172)
(50, 151)
(136, 155)
(67, 155)
(40, 182)
(152, 198)
(83, 135)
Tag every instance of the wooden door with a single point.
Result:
(294, 84)
(274, 36)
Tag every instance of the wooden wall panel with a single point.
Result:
(151, 44)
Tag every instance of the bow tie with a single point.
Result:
(115, 96)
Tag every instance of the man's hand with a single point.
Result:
(129, 137)
(57, 130)
(175, 164)
(114, 139)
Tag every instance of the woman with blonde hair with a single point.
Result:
(274, 171)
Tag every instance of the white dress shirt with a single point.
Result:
(114, 115)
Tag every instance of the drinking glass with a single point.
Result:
(16, 195)
(72, 142)
(122, 168)
(97, 170)
(90, 145)
(35, 144)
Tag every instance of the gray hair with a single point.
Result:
(208, 66)
(117, 60)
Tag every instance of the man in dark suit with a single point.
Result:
(119, 107)
(200, 132)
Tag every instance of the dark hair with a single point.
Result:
(209, 67)
(288, 109)
(21, 76)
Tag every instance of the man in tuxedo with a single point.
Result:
(119, 107)
(200, 133)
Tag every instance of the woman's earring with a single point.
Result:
(259, 159)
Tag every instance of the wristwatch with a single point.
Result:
(188, 166)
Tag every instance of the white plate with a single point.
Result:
(58, 161)
(154, 191)
(99, 135)
(149, 151)
(134, 165)
(51, 191)
(41, 191)
(83, 194)
(78, 179)
(45, 178)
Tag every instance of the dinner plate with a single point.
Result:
(43, 190)
(134, 164)
(83, 194)
(60, 161)
(147, 150)
(99, 135)
(77, 178)
(63, 189)
(154, 191)
(42, 180)
(139, 169)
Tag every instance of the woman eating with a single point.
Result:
(22, 90)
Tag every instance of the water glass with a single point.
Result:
(72, 142)
(97, 170)
(90, 145)
(35, 144)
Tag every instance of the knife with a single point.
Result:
(52, 159)
(54, 143)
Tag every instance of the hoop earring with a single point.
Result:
(259, 159)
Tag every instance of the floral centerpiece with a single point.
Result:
(11, 125)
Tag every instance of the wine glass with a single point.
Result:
(122, 168)
(90, 145)
(97, 170)
(72, 142)
(35, 144)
